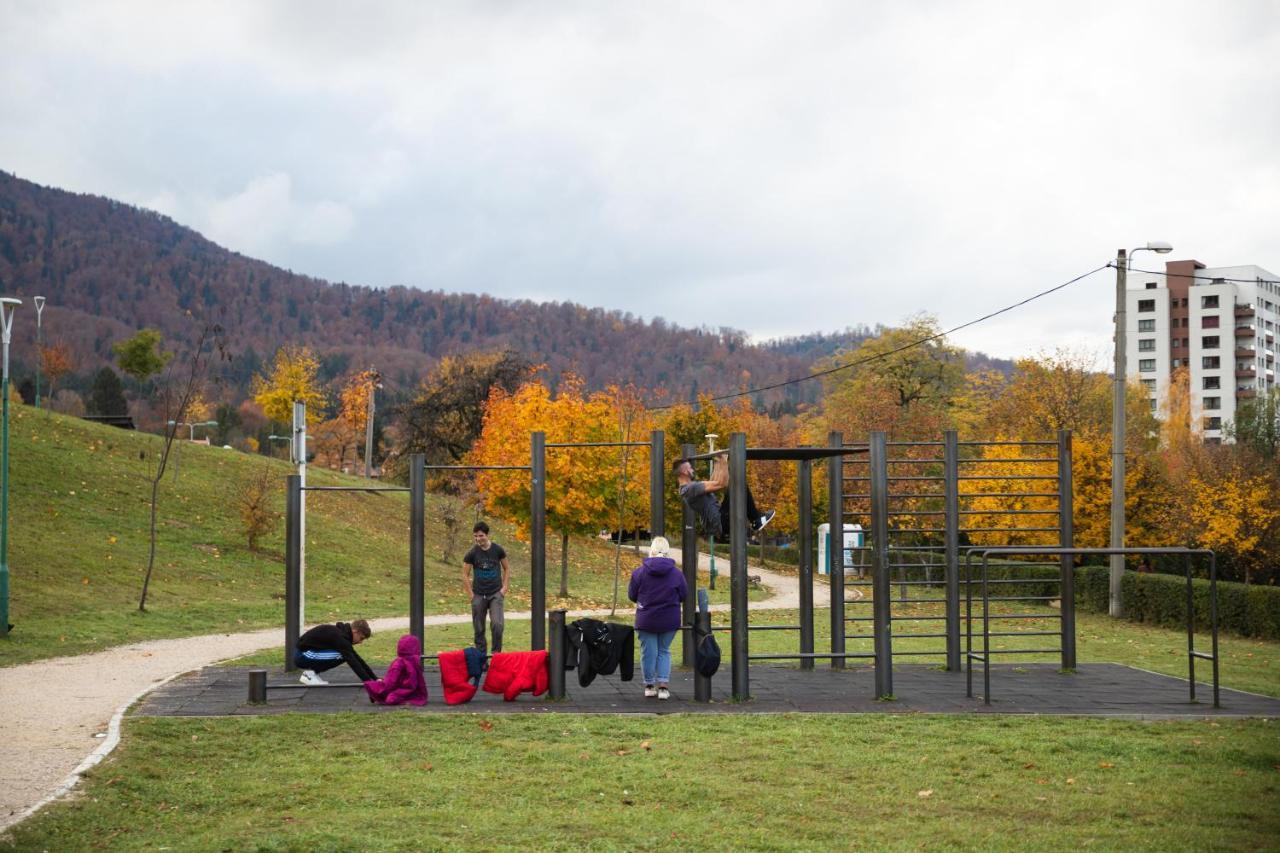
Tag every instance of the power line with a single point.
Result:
(1202, 278)
(904, 347)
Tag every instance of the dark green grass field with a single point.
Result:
(409, 782)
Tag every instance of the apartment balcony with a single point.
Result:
(1245, 331)
(1245, 311)
(1246, 373)
(1246, 352)
(1246, 393)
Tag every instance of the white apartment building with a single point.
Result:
(1219, 322)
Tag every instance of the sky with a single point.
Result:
(779, 168)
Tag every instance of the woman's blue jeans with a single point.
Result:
(655, 656)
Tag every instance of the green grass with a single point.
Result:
(558, 781)
(78, 546)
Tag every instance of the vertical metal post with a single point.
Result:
(8, 306)
(368, 430)
(951, 489)
(880, 581)
(1116, 606)
(986, 634)
(417, 533)
(299, 449)
(702, 684)
(1213, 621)
(257, 686)
(538, 541)
(738, 532)
(292, 568)
(835, 548)
(1191, 627)
(689, 563)
(1066, 539)
(555, 654)
(804, 493)
(657, 483)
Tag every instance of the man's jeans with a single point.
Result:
(491, 604)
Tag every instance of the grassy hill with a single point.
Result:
(78, 546)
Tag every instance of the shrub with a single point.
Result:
(254, 499)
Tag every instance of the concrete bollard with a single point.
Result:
(257, 686)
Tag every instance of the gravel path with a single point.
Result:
(63, 715)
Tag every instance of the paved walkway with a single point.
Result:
(68, 710)
(1096, 690)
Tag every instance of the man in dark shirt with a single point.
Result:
(700, 496)
(326, 646)
(485, 575)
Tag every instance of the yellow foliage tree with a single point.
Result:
(1234, 513)
(292, 377)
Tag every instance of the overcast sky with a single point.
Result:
(780, 168)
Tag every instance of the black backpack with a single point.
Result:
(706, 654)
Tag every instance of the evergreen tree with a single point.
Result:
(107, 395)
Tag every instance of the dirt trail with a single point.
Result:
(64, 714)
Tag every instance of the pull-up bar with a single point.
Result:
(476, 467)
(601, 444)
(794, 454)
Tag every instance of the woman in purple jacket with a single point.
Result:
(657, 588)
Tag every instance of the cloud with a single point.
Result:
(264, 214)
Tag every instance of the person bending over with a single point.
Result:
(485, 576)
(326, 646)
(700, 496)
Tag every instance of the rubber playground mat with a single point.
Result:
(1095, 689)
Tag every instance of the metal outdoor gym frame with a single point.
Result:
(537, 469)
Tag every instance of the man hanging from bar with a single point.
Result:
(700, 496)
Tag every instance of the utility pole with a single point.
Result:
(299, 448)
(375, 382)
(1118, 440)
(39, 301)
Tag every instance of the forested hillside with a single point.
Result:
(109, 268)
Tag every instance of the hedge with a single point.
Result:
(1251, 611)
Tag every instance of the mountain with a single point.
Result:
(108, 268)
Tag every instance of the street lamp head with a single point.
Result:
(10, 301)
(1159, 246)
(208, 423)
(39, 301)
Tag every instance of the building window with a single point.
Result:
(1147, 365)
(1209, 321)
(1146, 305)
(1177, 362)
(1151, 285)
(1149, 384)
(1211, 383)
(1210, 362)
(1175, 343)
(1213, 402)
(1209, 342)
(1154, 404)
(1213, 423)
(1146, 325)
(1209, 301)
(1146, 345)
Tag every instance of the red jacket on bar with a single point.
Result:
(513, 673)
(454, 678)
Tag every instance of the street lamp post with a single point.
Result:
(1118, 424)
(8, 306)
(39, 301)
(375, 384)
(191, 437)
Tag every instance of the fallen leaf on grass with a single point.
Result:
(1070, 781)
(644, 744)
(622, 752)
(1105, 765)
(1029, 766)
(926, 793)
(486, 726)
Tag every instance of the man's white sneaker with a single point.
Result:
(310, 679)
(766, 518)
(650, 691)
(664, 693)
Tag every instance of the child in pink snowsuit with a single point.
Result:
(403, 682)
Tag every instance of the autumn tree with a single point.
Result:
(291, 377)
(1256, 425)
(142, 356)
(255, 500)
(56, 362)
(107, 395)
(446, 415)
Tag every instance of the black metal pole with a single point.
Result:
(689, 563)
(702, 684)
(880, 581)
(951, 487)
(538, 542)
(292, 568)
(835, 548)
(1191, 628)
(1066, 526)
(555, 654)
(738, 564)
(417, 534)
(1213, 621)
(804, 494)
(986, 635)
(657, 483)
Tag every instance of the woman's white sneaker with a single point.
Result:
(664, 693)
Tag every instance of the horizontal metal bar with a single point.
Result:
(991, 461)
(911, 444)
(1008, 530)
(1008, 444)
(1022, 597)
(978, 581)
(994, 616)
(1203, 655)
(901, 478)
(963, 495)
(599, 444)
(811, 655)
(773, 627)
(477, 467)
(1006, 477)
(331, 684)
(1057, 651)
(894, 530)
(898, 618)
(1010, 511)
(917, 636)
(919, 512)
(939, 653)
(1032, 551)
(354, 489)
(930, 461)
(1022, 633)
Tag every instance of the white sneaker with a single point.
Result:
(766, 518)
(664, 693)
(650, 691)
(310, 679)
